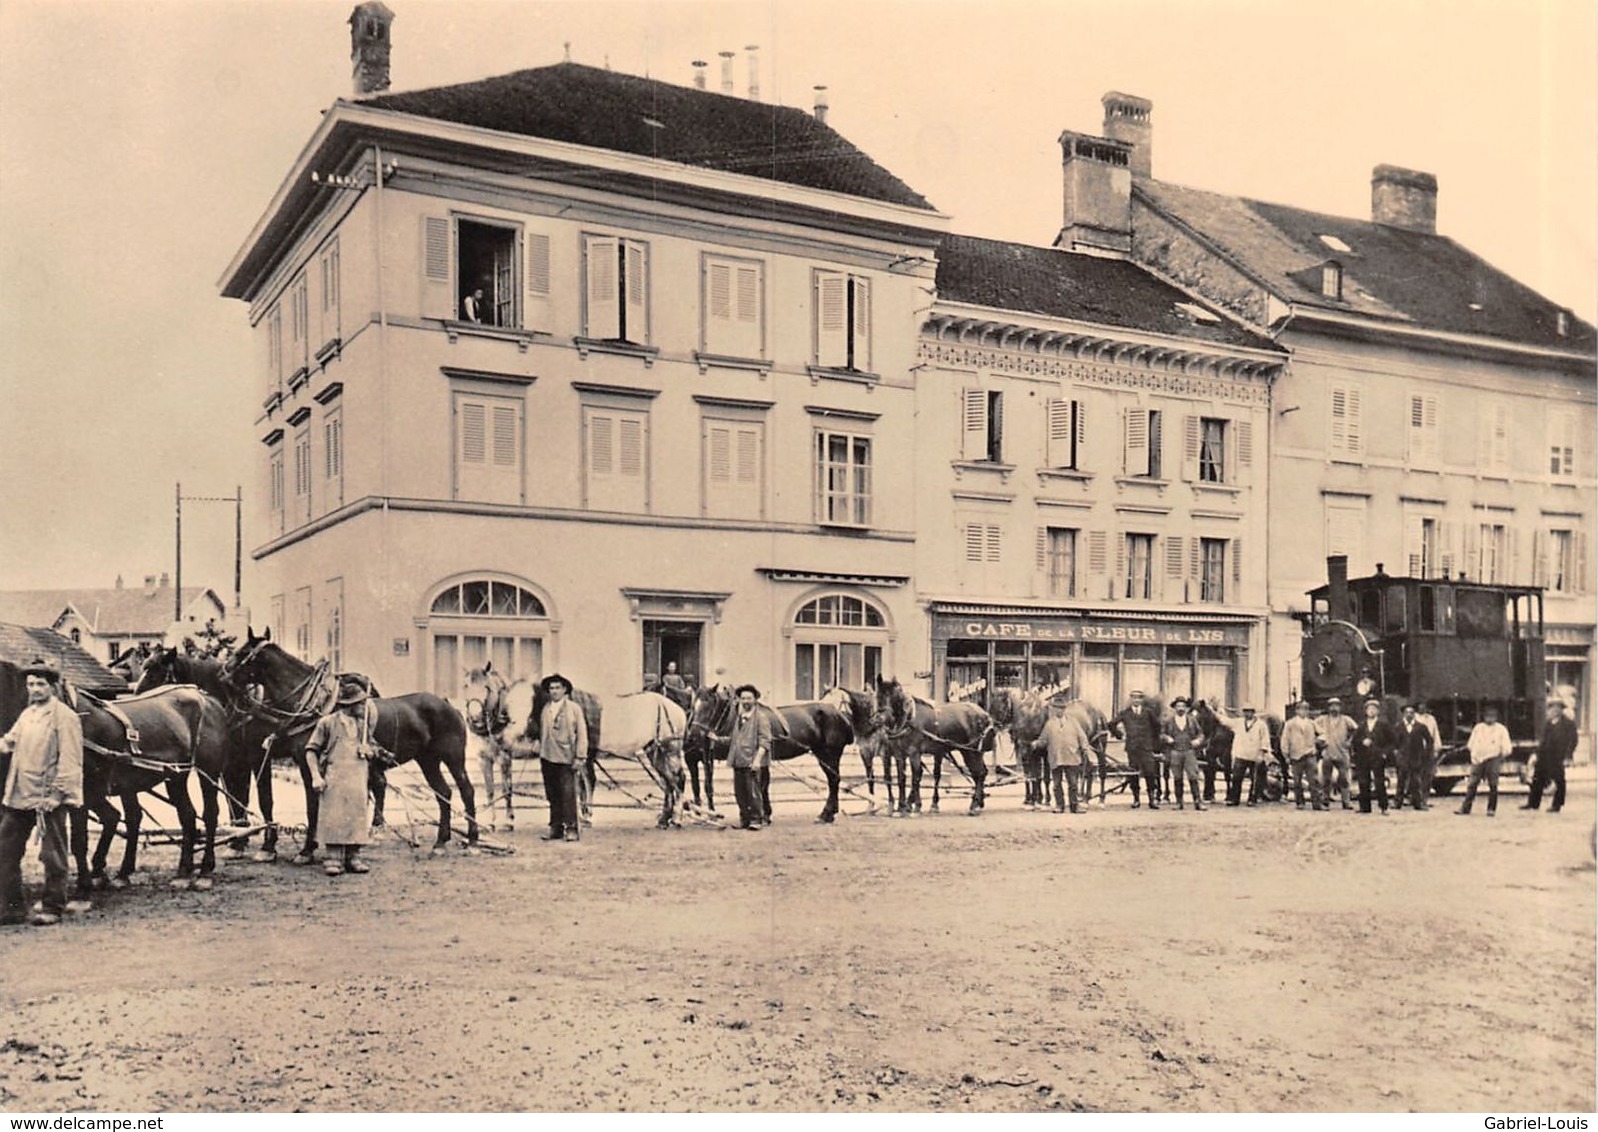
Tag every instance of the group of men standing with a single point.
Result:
(1181, 740)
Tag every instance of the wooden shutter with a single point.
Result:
(1135, 426)
(1447, 549)
(637, 298)
(732, 468)
(437, 300)
(1098, 565)
(719, 456)
(1174, 555)
(1242, 450)
(1057, 433)
(539, 283)
(1580, 582)
(1347, 434)
(1424, 449)
(973, 542)
(973, 424)
(1190, 447)
(746, 307)
(1539, 558)
(1236, 547)
(604, 300)
(1472, 564)
(1042, 559)
(718, 308)
(504, 434)
(831, 320)
(617, 459)
(1414, 544)
(991, 542)
(861, 337)
(1118, 581)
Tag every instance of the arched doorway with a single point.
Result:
(486, 617)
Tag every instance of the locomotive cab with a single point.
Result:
(1456, 645)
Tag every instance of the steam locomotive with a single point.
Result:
(1457, 646)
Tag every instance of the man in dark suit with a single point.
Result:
(1373, 743)
(1141, 730)
(1557, 744)
(1416, 751)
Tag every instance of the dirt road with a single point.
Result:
(1242, 959)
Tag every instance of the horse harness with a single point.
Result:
(910, 726)
(134, 756)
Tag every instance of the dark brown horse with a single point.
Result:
(811, 727)
(249, 750)
(136, 744)
(419, 727)
(912, 727)
(1219, 730)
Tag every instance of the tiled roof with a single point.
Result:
(108, 611)
(21, 645)
(1085, 288)
(1414, 278)
(569, 102)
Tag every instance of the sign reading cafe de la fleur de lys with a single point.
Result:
(1056, 629)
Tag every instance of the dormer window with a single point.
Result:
(1562, 322)
(1332, 279)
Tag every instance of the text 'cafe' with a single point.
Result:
(1098, 659)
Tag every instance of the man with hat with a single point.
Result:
(1183, 739)
(1416, 750)
(1299, 743)
(44, 778)
(1557, 744)
(1489, 742)
(1251, 748)
(339, 754)
(1335, 734)
(749, 752)
(1374, 743)
(1066, 751)
(562, 748)
(1140, 729)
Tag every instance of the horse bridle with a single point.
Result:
(722, 715)
(490, 717)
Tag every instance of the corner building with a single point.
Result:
(676, 424)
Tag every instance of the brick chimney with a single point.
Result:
(1404, 198)
(369, 46)
(1098, 194)
(1130, 119)
(822, 104)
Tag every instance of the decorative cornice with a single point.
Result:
(1211, 382)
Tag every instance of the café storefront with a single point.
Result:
(979, 649)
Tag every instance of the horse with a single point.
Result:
(810, 727)
(859, 710)
(1219, 729)
(496, 714)
(134, 744)
(912, 726)
(645, 726)
(417, 727)
(1022, 714)
(249, 735)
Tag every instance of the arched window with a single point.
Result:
(838, 639)
(480, 619)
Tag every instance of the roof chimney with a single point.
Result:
(699, 73)
(1098, 194)
(369, 43)
(821, 105)
(149, 585)
(119, 581)
(726, 71)
(1130, 119)
(1404, 198)
(753, 52)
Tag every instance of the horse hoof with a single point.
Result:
(304, 859)
(438, 851)
(117, 884)
(824, 819)
(934, 808)
(203, 884)
(471, 851)
(181, 884)
(264, 856)
(510, 825)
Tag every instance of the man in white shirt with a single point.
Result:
(1489, 742)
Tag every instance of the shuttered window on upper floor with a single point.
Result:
(733, 307)
(489, 444)
(615, 459)
(734, 471)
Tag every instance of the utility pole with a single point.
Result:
(237, 499)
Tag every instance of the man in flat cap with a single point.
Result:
(1374, 744)
(562, 747)
(1334, 733)
(1066, 750)
(1416, 754)
(1251, 750)
(45, 777)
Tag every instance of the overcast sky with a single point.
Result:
(140, 142)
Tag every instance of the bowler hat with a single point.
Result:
(39, 666)
(352, 692)
(1181, 701)
(550, 681)
(1250, 707)
(1059, 699)
(750, 688)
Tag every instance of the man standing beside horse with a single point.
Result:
(748, 752)
(1184, 738)
(1140, 729)
(562, 747)
(1066, 748)
(44, 779)
(339, 755)
(1251, 748)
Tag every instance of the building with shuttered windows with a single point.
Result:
(579, 371)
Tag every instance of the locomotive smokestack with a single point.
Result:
(1338, 605)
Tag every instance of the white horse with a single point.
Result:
(496, 715)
